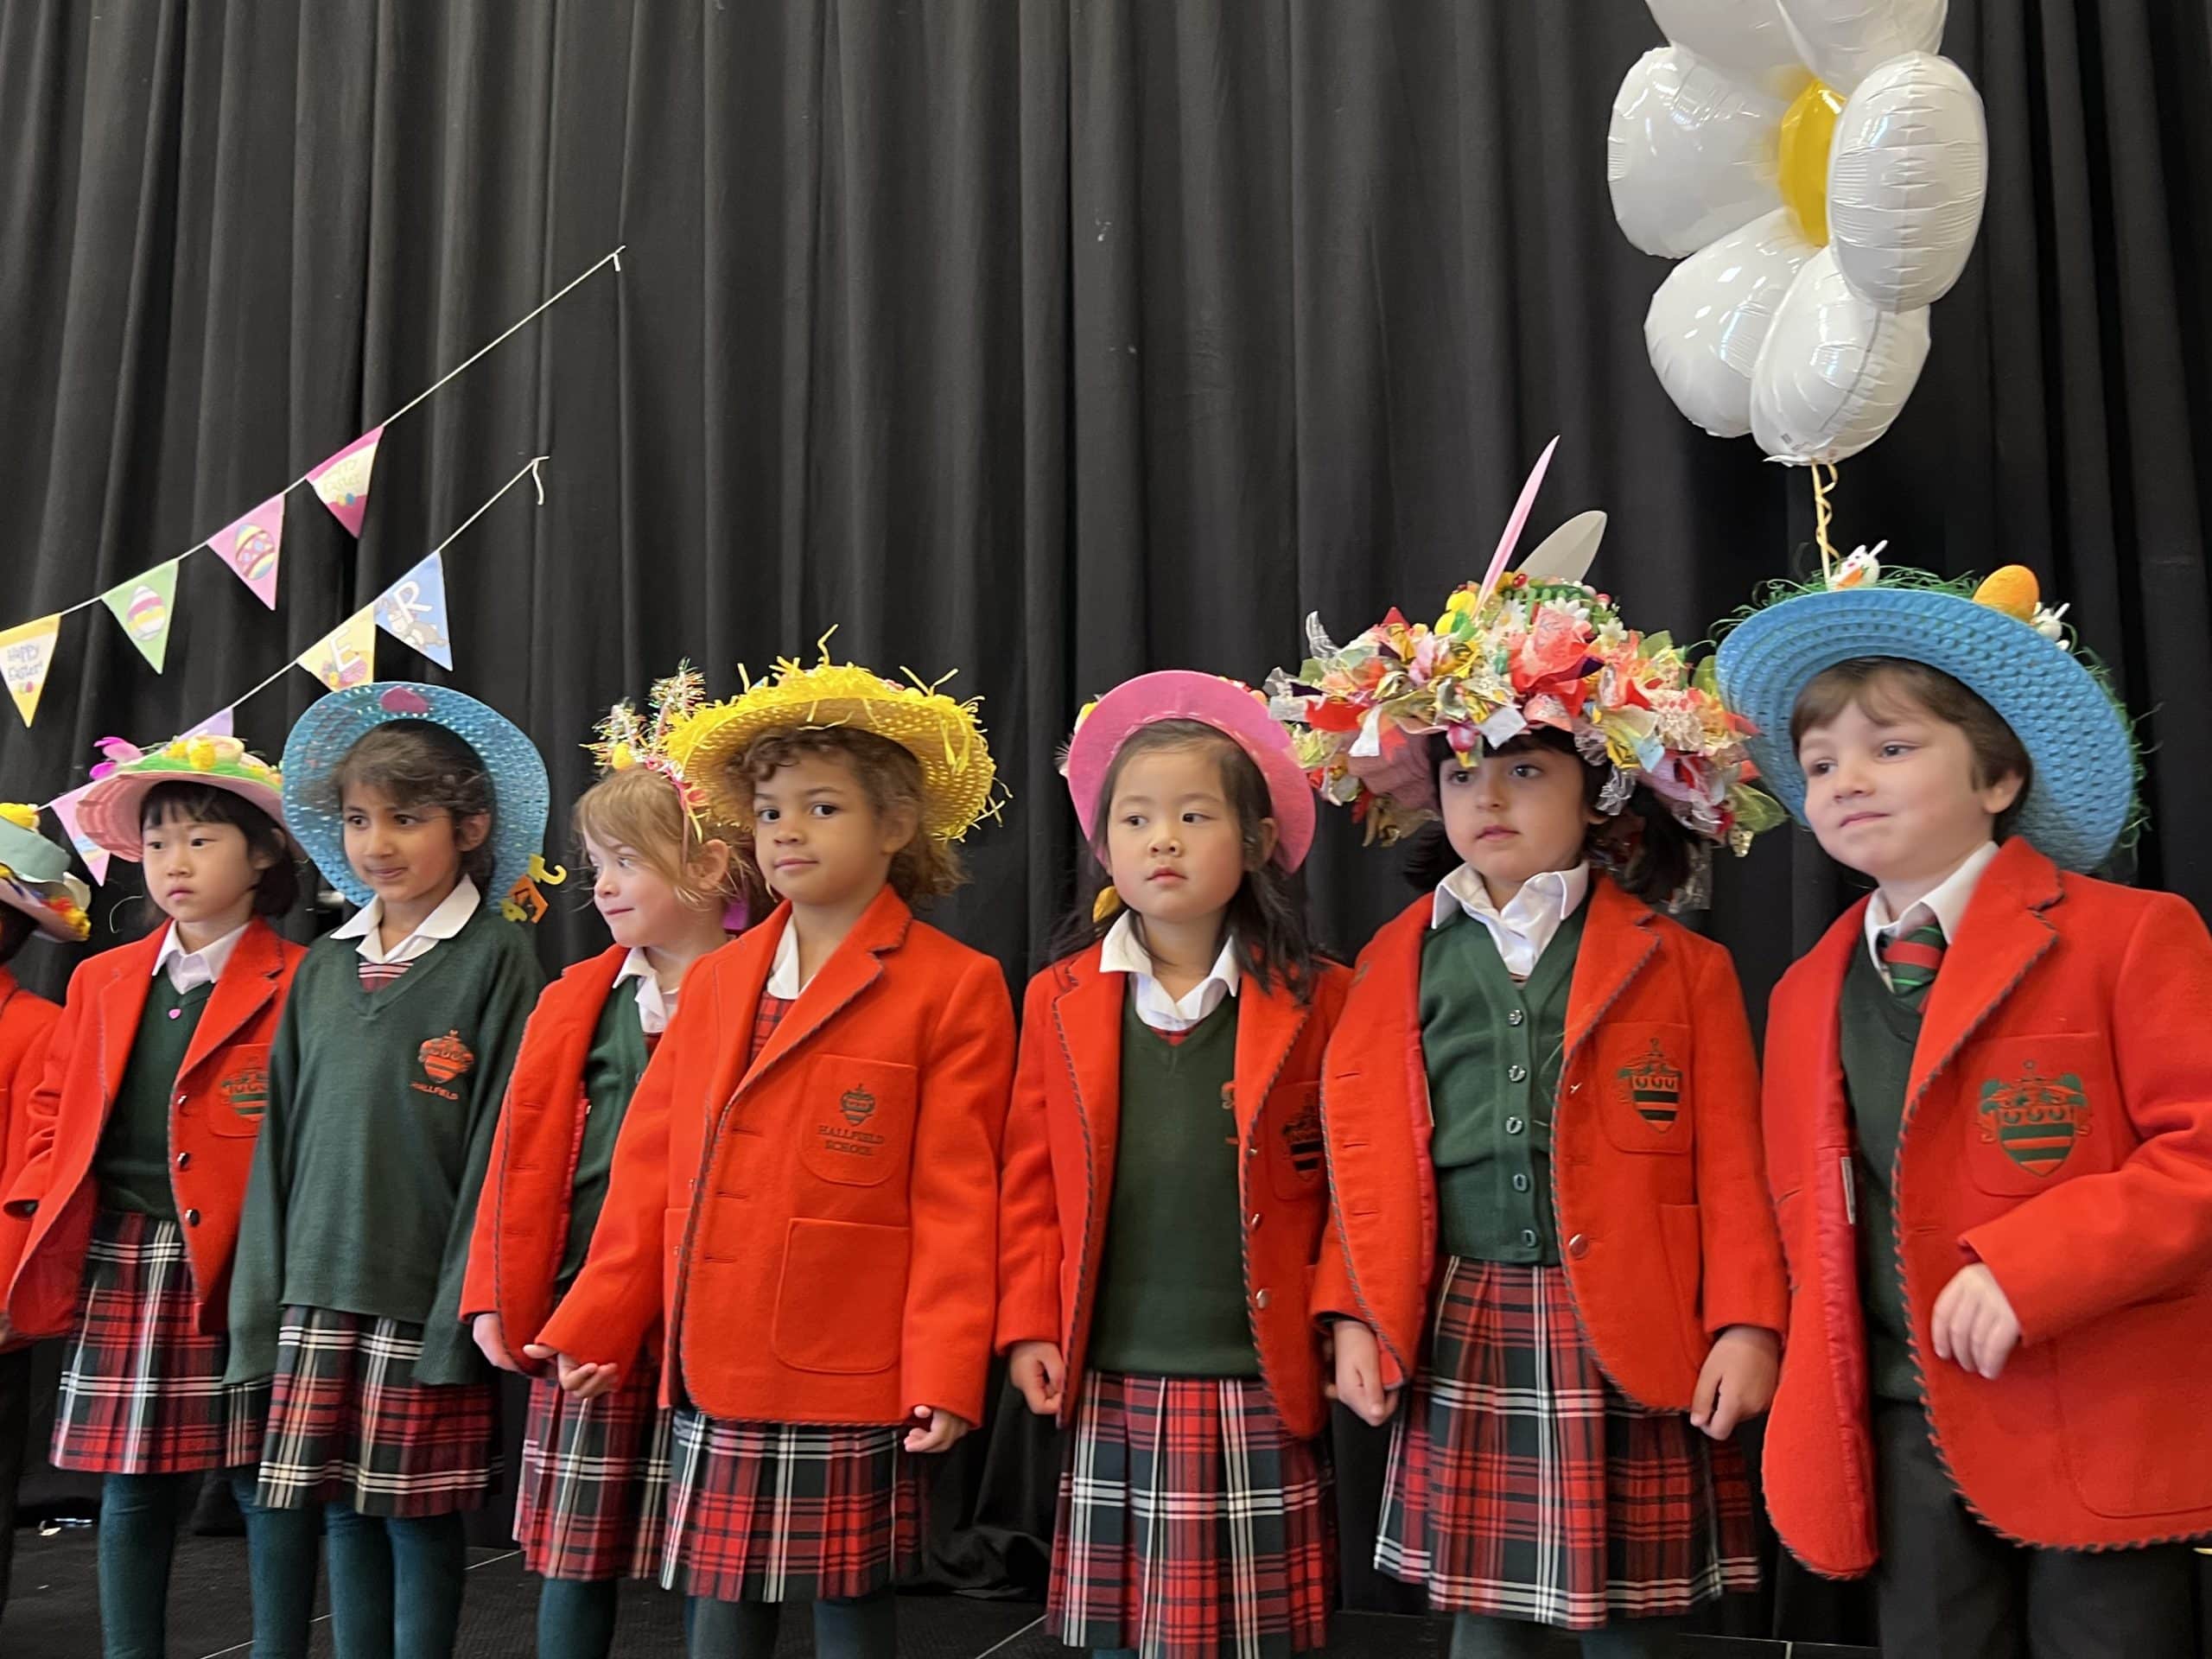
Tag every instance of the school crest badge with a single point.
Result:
(1653, 1084)
(446, 1057)
(245, 1091)
(2033, 1119)
(857, 1104)
(1301, 1139)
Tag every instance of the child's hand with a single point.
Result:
(1041, 1372)
(492, 1341)
(577, 1377)
(1974, 1323)
(944, 1430)
(1737, 1380)
(1359, 1374)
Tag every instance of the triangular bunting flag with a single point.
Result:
(219, 724)
(144, 604)
(347, 655)
(413, 611)
(343, 481)
(251, 547)
(94, 855)
(25, 652)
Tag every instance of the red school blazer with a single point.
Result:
(522, 1218)
(2058, 1128)
(25, 1020)
(1058, 1187)
(817, 1228)
(1666, 1233)
(222, 1089)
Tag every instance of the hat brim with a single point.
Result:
(958, 770)
(108, 814)
(521, 795)
(2080, 799)
(32, 899)
(1185, 694)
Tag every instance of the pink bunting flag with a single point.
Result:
(94, 855)
(342, 482)
(251, 547)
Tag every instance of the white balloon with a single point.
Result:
(1711, 316)
(1834, 370)
(1690, 155)
(1743, 38)
(1906, 177)
(1845, 39)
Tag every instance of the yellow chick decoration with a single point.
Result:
(23, 817)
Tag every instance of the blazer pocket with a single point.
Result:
(1642, 1072)
(239, 1098)
(2131, 1442)
(2036, 1111)
(857, 1119)
(841, 1305)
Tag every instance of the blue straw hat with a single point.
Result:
(1996, 640)
(332, 726)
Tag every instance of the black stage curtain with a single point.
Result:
(1048, 342)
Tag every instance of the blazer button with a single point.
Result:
(192, 1217)
(180, 1099)
(1252, 1151)
(1257, 1219)
(1259, 1299)
(1578, 1247)
(184, 1161)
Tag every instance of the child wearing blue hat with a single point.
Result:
(1988, 1117)
(424, 808)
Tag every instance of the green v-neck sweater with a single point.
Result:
(381, 1109)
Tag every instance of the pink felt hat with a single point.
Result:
(1237, 711)
(108, 811)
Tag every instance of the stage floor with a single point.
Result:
(53, 1614)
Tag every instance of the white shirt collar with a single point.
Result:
(783, 977)
(656, 1007)
(451, 915)
(1946, 906)
(1121, 952)
(190, 968)
(1529, 922)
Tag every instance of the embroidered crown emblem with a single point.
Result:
(446, 1057)
(2035, 1120)
(857, 1104)
(1655, 1088)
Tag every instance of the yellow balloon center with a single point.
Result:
(1807, 130)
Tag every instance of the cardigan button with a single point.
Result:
(1528, 1237)
(192, 1217)
(1513, 1126)
(1520, 1183)
(1516, 1017)
(1578, 1247)
(1517, 1074)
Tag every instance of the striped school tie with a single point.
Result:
(1912, 959)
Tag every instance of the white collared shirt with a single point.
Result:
(1946, 905)
(1121, 953)
(203, 966)
(1531, 918)
(451, 915)
(783, 977)
(656, 1007)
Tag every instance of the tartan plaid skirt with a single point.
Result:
(1522, 1485)
(593, 1500)
(142, 1391)
(787, 1511)
(1189, 1524)
(348, 1423)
